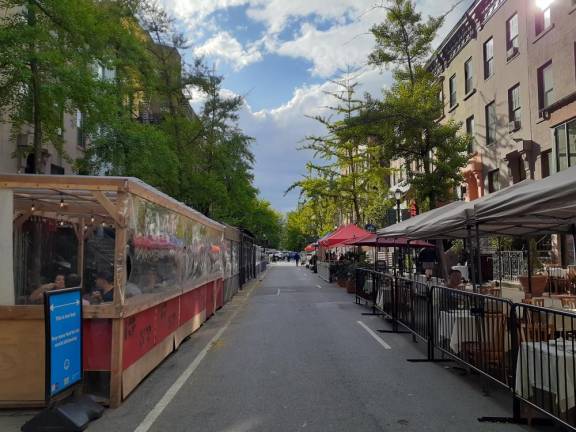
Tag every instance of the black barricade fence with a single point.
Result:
(365, 286)
(529, 350)
(476, 330)
(545, 366)
(412, 306)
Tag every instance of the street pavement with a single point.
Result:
(295, 353)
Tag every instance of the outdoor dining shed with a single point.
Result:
(150, 269)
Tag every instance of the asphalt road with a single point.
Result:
(298, 355)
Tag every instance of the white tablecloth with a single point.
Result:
(558, 366)
(458, 326)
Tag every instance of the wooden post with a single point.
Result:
(119, 288)
(80, 238)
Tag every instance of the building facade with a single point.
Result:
(508, 73)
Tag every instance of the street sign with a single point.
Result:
(63, 326)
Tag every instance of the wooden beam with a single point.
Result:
(116, 362)
(110, 207)
(20, 220)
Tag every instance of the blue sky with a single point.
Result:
(281, 55)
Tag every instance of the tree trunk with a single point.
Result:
(35, 88)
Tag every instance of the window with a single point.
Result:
(470, 131)
(490, 123)
(488, 58)
(512, 40)
(452, 85)
(545, 160)
(545, 86)
(543, 20)
(441, 97)
(565, 141)
(514, 109)
(80, 136)
(468, 76)
(494, 181)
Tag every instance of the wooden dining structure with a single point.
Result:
(528, 348)
(170, 268)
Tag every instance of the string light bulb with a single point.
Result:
(92, 219)
(61, 202)
(61, 223)
(33, 207)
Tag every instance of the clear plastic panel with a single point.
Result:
(168, 252)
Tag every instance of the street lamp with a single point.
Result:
(398, 196)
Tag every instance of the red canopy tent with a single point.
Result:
(342, 234)
(375, 241)
(310, 248)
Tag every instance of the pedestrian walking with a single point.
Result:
(297, 258)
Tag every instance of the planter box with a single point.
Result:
(350, 286)
(539, 283)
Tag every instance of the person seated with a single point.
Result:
(149, 282)
(73, 281)
(37, 295)
(454, 280)
(104, 289)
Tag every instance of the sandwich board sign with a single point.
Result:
(63, 327)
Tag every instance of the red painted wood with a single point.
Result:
(219, 287)
(97, 350)
(167, 319)
(139, 338)
(191, 304)
(209, 288)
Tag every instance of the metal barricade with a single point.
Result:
(475, 329)
(527, 349)
(545, 362)
(412, 306)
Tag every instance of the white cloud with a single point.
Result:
(280, 132)
(224, 46)
(332, 35)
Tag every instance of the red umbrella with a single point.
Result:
(310, 248)
(342, 234)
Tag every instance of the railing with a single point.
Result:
(529, 350)
(509, 265)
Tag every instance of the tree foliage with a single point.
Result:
(118, 63)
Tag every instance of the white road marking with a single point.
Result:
(161, 405)
(374, 335)
(318, 286)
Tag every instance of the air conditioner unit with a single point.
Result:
(511, 52)
(513, 126)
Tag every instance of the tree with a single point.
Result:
(406, 119)
(50, 53)
(351, 174)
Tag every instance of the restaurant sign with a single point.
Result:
(63, 326)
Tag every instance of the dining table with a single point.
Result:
(549, 366)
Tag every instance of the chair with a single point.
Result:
(489, 352)
(534, 326)
(493, 291)
(568, 302)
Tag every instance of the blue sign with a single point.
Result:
(63, 309)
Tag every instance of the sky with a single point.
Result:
(283, 56)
